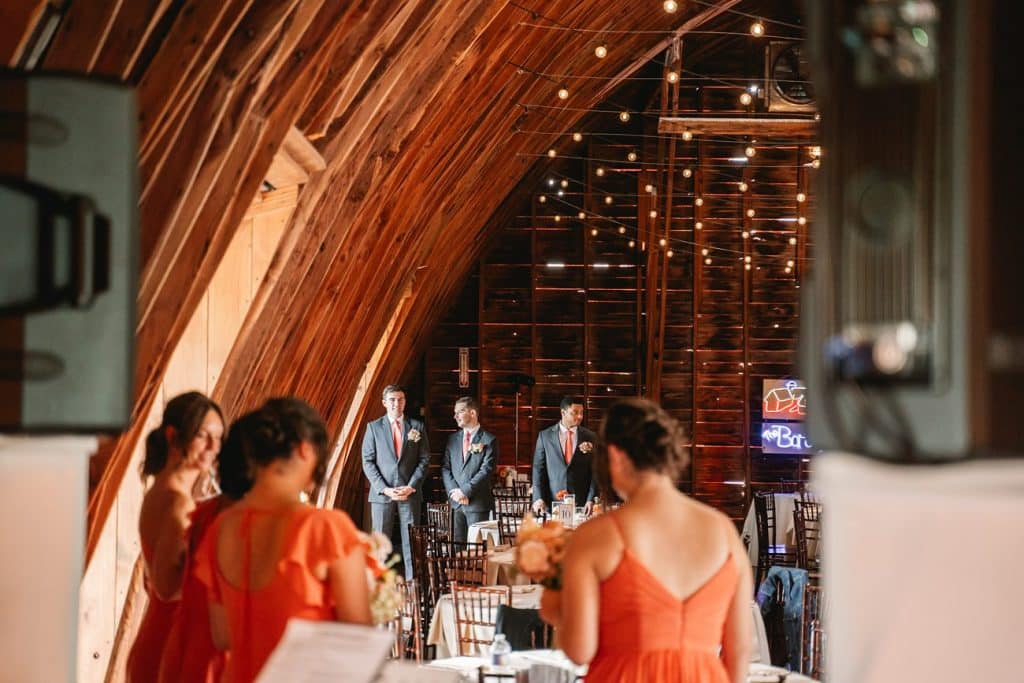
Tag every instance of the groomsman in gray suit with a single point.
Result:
(395, 459)
(470, 460)
(563, 459)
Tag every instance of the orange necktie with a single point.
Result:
(568, 447)
(396, 434)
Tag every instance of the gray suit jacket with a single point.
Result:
(550, 473)
(383, 469)
(476, 474)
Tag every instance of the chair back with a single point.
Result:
(518, 489)
(408, 625)
(464, 563)
(516, 506)
(812, 634)
(425, 552)
(508, 527)
(476, 611)
(439, 516)
(807, 522)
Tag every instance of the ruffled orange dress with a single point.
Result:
(257, 617)
(648, 635)
(189, 655)
(144, 658)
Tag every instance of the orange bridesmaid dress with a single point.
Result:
(257, 616)
(647, 634)
(190, 655)
(144, 658)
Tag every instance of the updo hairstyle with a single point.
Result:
(185, 413)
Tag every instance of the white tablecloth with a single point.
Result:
(484, 531)
(443, 633)
(499, 568)
(785, 531)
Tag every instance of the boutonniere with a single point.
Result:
(586, 447)
(476, 448)
(414, 435)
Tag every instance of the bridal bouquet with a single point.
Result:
(540, 549)
(385, 596)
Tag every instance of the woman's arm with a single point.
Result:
(346, 577)
(736, 645)
(575, 612)
(219, 626)
(168, 570)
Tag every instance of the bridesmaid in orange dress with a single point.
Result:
(270, 557)
(190, 655)
(658, 590)
(178, 452)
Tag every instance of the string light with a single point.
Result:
(815, 151)
(599, 171)
(662, 242)
(801, 197)
(751, 213)
(698, 225)
(699, 201)
(687, 135)
(648, 188)
(746, 266)
(792, 241)
(561, 193)
(582, 215)
(672, 77)
(707, 261)
(608, 199)
(563, 93)
(622, 229)
(745, 98)
(801, 220)
(601, 51)
(552, 153)
(750, 151)
(564, 183)
(632, 244)
(653, 213)
(670, 6)
(593, 232)
(743, 186)
(789, 263)
(624, 116)
(746, 259)
(631, 156)
(687, 172)
(757, 29)
(551, 182)
(816, 163)
(788, 270)
(670, 253)
(704, 252)
(746, 235)
(558, 219)
(542, 199)
(577, 137)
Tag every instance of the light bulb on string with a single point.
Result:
(801, 221)
(801, 197)
(704, 252)
(624, 116)
(687, 172)
(648, 188)
(687, 135)
(750, 151)
(792, 241)
(558, 218)
(552, 153)
(757, 29)
(601, 51)
(699, 201)
(631, 156)
(698, 225)
(563, 93)
(582, 215)
(564, 183)
(816, 163)
(622, 230)
(788, 270)
(789, 263)
(561, 193)
(662, 242)
(653, 214)
(746, 235)
(593, 232)
(599, 171)
(707, 261)
(745, 98)
(746, 259)
(670, 6)
(542, 199)
(670, 253)
(551, 182)
(672, 77)
(743, 186)
(577, 137)
(608, 199)
(632, 243)
(751, 213)
(815, 151)
(746, 266)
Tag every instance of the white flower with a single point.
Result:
(476, 448)
(414, 435)
(380, 546)
(586, 447)
(533, 558)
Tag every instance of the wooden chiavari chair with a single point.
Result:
(517, 506)
(476, 610)
(519, 489)
(812, 634)
(408, 624)
(508, 527)
(807, 521)
(768, 536)
(439, 516)
(465, 563)
(426, 571)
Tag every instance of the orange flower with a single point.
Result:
(561, 494)
(540, 549)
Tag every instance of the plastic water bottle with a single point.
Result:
(500, 650)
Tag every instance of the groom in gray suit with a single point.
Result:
(470, 459)
(563, 459)
(395, 459)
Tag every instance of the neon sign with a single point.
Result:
(788, 437)
(783, 399)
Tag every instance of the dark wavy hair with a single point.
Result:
(282, 424)
(185, 413)
(233, 465)
(651, 438)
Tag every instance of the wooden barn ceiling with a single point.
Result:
(414, 107)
